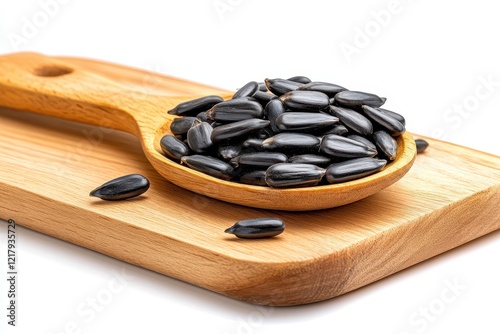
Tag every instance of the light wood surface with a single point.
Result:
(48, 166)
(136, 102)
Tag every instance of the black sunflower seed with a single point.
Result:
(253, 144)
(173, 147)
(353, 120)
(273, 109)
(281, 86)
(181, 125)
(329, 89)
(228, 152)
(209, 165)
(395, 115)
(263, 97)
(294, 143)
(386, 144)
(300, 79)
(421, 145)
(389, 123)
(336, 129)
(353, 169)
(198, 136)
(237, 129)
(342, 147)
(285, 175)
(304, 122)
(259, 160)
(235, 110)
(195, 106)
(305, 100)
(363, 140)
(248, 89)
(257, 228)
(255, 177)
(353, 99)
(123, 187)
(314, 159)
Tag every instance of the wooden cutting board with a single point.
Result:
(48, 167)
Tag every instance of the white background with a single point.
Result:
(430, 59)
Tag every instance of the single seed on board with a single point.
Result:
(421, 145)
(121, 188)
(257, 228)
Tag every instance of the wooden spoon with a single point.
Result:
(82, 91)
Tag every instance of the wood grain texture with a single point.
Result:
(48, 166)
(97, 93)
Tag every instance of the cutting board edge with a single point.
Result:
(279, 284)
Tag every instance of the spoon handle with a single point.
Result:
(52, 87)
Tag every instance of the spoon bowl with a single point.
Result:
(96, 93)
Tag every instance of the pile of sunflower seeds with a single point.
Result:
(285, 133)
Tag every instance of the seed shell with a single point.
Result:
(350, 98)
(259, 160)
(257, 228)
(237, 129)
(421, 145)
(305, 100)
(389, 123)
(121, 188)
(209, 165)
(195, 106)
(284, 175)
(273, 109)
(353, 169)
(386, 144)
(314, 159)
(181, 125)
(329, 89)
(255, 177)
(235, 110)
(342, 147)
(300, 79)
(198, 136)
(281, 86)
(304, 122)
(248, 89)
(363, 140)
(353, 120)
(174, 148)
(289, 142)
